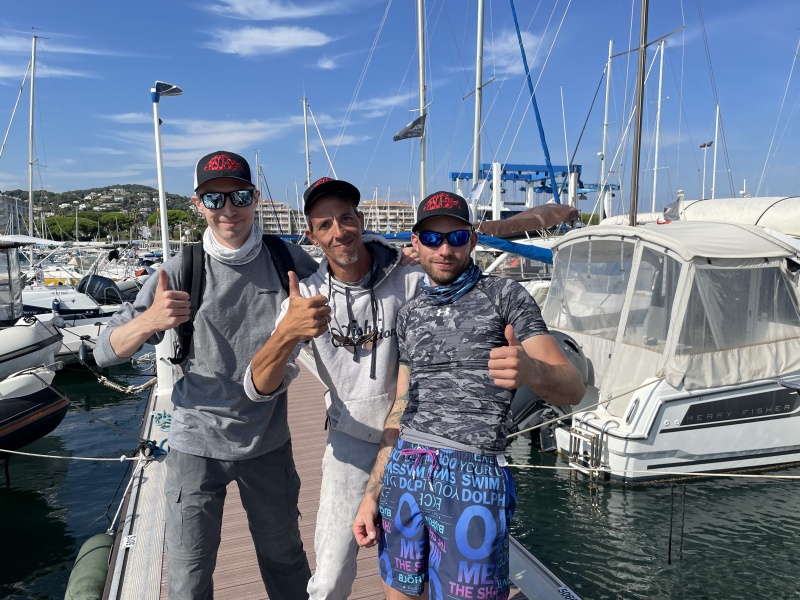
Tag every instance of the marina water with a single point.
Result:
(718, 538)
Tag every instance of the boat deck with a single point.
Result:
(139, 565)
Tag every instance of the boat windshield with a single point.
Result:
(589, 285)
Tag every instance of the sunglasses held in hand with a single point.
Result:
(216, 200)
(434, 239)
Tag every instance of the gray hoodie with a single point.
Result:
(358, 404)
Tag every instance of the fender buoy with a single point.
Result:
(88, 577)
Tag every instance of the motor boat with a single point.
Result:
(690, 333)
(84, 310)
(30, 407)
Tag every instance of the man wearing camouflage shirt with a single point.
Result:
(446, 495)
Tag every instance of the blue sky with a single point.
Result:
(244, 66)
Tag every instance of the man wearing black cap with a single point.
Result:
(356, 358)
(445, 492)
(217, 433)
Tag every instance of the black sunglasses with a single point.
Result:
(216, 200)
(434, 239)
(367, 341)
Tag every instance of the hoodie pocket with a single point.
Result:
(364, 418)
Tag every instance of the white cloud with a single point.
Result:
(17, 72)
(22, 44)
(336, 142)
(104, 151)
(378, 107)
(129, 118)
(273, 10)
(255, 41)
(327, 64)
(503, 52)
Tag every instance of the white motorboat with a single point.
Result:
(84, 310)
(29, 406)
(691, 333)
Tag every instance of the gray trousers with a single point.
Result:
(269, 488)
(346, 467)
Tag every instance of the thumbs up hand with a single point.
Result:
(169, 309)
(510, 365)
(306, 318)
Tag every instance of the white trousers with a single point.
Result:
(346, 468)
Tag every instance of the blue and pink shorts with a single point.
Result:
(444, 519)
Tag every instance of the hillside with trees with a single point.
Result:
(118, 211)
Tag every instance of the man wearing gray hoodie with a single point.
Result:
(365, 286)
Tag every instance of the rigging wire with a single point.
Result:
(780, 111)
(16, 105)
(541, 74)
(319, 133)
(360, 83)
(715, 93)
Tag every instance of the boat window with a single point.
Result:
(589, 284)
(653, 296)
(739, 307)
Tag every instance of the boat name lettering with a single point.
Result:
(764, 404)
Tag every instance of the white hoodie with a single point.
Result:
(358, 404)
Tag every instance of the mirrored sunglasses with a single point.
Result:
(434, 239)
(216, 200)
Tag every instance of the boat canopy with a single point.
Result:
(700, 304)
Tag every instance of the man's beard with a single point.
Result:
(345, 261)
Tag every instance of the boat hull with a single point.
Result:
(667, 433)
(29, 408)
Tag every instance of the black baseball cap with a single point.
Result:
(330, 187)
(442, 204)
(221, 164)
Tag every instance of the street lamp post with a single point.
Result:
(705, 146)
(162, 89)
(164, 369)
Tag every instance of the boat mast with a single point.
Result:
(637, 131)
(658, 125)
(476, 141)
(260, 200)
(606, 197)
(30, 145)
(305, 131)
(714, 172)
(421, 56)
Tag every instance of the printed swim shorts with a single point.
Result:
(445, 517)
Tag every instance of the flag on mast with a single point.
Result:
(414, 129)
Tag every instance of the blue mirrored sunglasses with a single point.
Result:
(434, 239)
(216, 200)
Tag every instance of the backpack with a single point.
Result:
(193, 263)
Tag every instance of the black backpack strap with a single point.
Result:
(191, 265)
(281, 258)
